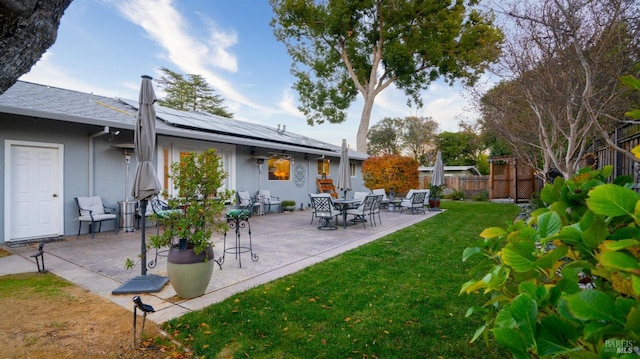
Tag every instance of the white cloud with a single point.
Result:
(45, 72)
(166, 26)
(288, 104)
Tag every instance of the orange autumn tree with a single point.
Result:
(391, 171)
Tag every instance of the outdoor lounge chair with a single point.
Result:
(92, 210)
(364, 209)
(415, 201)
(323, 209)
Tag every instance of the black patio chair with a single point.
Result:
(323, 209)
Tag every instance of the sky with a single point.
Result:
(104, 46)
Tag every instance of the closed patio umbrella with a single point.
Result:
(145, 183)
(344, 172)
(437, 177)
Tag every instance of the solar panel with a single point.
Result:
(218, 124)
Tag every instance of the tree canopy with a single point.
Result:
(342, 48)
(560, 89)
(190, 93)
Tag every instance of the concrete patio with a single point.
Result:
(285, 243)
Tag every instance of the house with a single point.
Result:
(60, 144)
(449, 171)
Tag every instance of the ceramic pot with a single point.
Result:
(189, 274)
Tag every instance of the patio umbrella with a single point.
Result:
(344, 172)
(437, 177)
(145, 184)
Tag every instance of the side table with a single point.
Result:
(236, 220)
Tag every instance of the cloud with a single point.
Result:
(45, 72)
(288, 104)
(166, 26)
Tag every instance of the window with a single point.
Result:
(324, 167)
(352, 169)
(279, 167)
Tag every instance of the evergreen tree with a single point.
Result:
(190, 93)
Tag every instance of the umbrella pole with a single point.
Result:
(143, 248)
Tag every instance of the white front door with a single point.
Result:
(33, 190)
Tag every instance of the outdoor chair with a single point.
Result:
(148, 213)
(323, 209)
(364, 209)
(360, 195)
(414, 201)
(313, 210)
(92, 210)
(268, 200)
(384, 203)
(244, 200)
(375, 209)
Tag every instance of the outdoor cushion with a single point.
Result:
(93, 204)
(381, 191)
(360, 195)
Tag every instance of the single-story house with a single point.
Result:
(60, 144)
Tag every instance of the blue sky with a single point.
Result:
(104, 46)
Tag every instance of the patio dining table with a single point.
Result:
(343, 205)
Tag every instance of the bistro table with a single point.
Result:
(344, 204)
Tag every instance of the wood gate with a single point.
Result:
(511, 180)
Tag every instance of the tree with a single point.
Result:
(459, 148)
(344, 47)
(192, 93)
(418, 137)
(562, 62)
(27, 30)
(391, 171)
(384, 137)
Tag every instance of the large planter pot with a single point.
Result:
(434, 202)
(289, 208)
(189, 274)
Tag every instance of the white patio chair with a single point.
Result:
(414, 201)
(268, 200)
(364, 209)
(92, 210)
(323, 209)
(385, 200)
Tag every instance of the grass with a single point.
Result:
(395, 297)
(24, 285)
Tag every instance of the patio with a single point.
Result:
(285, 243)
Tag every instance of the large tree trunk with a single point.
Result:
(27, 29)
(363, 128)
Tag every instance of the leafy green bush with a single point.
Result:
(456, 195)
(565, 282)
(481, 196)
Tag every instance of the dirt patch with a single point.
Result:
(71, 322)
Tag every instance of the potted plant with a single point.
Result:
(197, 213)
(434, 196)
(288, 205)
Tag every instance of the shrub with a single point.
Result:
(456, 195)
(481, 196)
(389, 171)
(566, 281)
(288, 203)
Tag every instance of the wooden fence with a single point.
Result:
(470, 185)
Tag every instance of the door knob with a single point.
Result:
(55, 195)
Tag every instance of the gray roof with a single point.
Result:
(451, 169)
(35, 100)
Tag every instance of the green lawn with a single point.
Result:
(395, 297)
